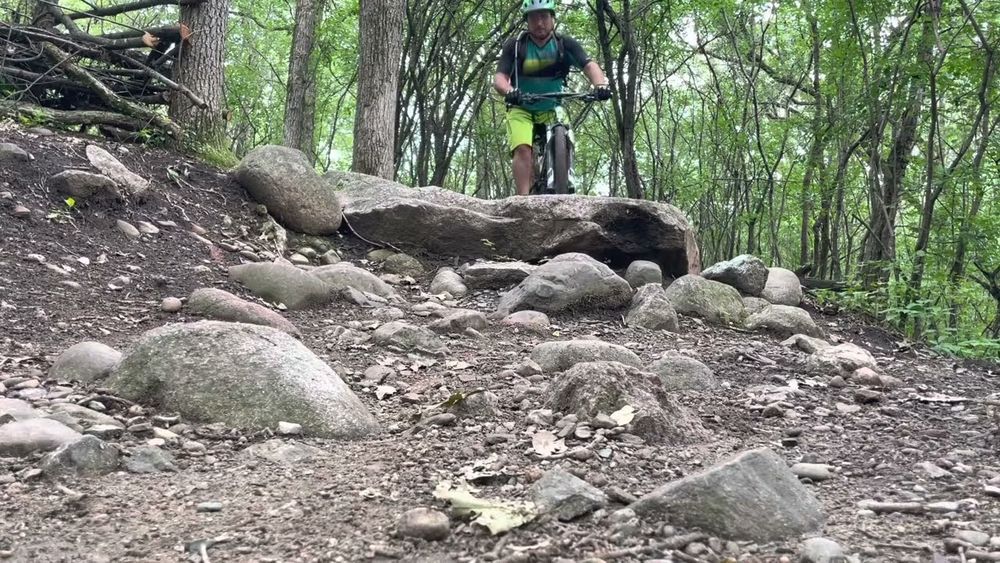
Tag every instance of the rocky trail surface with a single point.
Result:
(158, 404)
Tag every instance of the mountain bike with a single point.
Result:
(553, 143)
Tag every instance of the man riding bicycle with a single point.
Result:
(539, 61)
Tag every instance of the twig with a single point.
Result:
(382, 245)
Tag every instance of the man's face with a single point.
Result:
(541, 24)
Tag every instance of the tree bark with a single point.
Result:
(200, 68)
(381, 39)
(300, 101)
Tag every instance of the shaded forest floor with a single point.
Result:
(344, 506)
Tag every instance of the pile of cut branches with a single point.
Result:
(53, 71)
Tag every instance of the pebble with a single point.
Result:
(140, 428)
(191, 446)
(21, 212)
(943, 507)
(424, 523)
(443, 419)
(128, 229)
(867, 396)
(821, 550)
(933, 471)
(774, 410)
(209, 506)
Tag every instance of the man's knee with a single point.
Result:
(522, 151)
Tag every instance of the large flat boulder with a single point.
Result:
(753, 496)
(247, 376)
(619, 230)
(283, 180)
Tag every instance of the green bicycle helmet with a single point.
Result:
(528, 6)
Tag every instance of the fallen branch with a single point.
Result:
(115, 102)
(34, 112)
(130, 7)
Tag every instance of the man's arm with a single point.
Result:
(590, 68)
(595, 74)
(501, 83)
(505, 66)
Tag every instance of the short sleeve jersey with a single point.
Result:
(541, 72)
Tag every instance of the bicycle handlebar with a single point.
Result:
(560, 96)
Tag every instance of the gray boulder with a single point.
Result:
(594, 388)
(247, 376)
(729, 499)
(652, 310)
(678, 372)
(22, 437)
(111, 167)
(568, 282)
(448, 281)
(746, 273)
(564, 354)
(782, 288)
(565, 495)
(12, 155)
(85, 361)
(522, 228)
(83, 185)
(843, 359)
(409, 338)
(279, 283)
(343, 275)
(283, 180)
(784, 320)
(495, 275)
(642, 272)
(87, 456)
(716, 302)
(219, 305)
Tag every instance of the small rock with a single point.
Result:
(821, 550)
(943, 507)
(837, 382)
(289, 429)
(774, 410)
(21, 212)
(813, 471)
(148, 228)
(87, 456)
(565, 495)
(150, 459)
(11, 154)
(867, 396)
(105, 431)
(933, 471)
(128, 229)
(171, 305)
(424, 523)
(209, 506)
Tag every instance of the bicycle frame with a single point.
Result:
(542, 140)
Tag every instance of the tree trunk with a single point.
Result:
(381, 45)
(300, 100)
(201, 69)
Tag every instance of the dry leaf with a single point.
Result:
(497, 516)
(545, 443)
(623, 415)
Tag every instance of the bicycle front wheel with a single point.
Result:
(560, 160)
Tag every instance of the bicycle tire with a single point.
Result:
(560, 160)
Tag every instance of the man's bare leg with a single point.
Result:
(523, 170)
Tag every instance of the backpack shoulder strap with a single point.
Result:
(561, 56)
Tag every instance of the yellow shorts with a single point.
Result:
(520, 123)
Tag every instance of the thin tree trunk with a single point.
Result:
(300, 100)
(381, 45)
